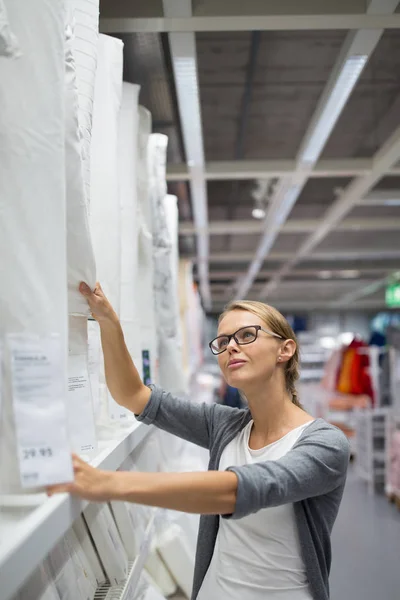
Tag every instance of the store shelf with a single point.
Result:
(27, 534)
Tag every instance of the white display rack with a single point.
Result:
(28, 533)
(371, 442)
(127, 590)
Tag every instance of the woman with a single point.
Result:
(276, 475)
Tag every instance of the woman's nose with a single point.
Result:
(232, 346)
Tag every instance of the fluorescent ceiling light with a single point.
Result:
(346, 338)
(393, 202)
(258, 213)
(327, 342)
(349, 274)
(345, 83)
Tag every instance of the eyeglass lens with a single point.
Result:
(246, 335)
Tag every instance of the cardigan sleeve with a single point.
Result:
(189, 420)
(315, 466)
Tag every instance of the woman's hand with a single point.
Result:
(99, 305)
(90, 483)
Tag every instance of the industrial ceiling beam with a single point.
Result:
(364, 291)
(327, 256)
(287, 22)
(340, 274)
(388, 155)
(355, 52)
(260, 169)
(307, 307)
(184, 64)
(253, 226)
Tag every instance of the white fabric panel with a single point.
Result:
(145, 293)
(79, 407)
(33, 279)
(80, 257)
(85, 16)
(107, 541)
(82, 534)
(177, 555)
(127, 163)
(104, 206)
(39, 586)
(86, 579)
(165, 242)
(157, 570)
(8, 41)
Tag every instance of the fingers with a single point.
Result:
(84, 289)
(62, 488)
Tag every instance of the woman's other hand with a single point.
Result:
(99, 305)
(89, 483)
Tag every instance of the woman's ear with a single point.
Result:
(286, 351)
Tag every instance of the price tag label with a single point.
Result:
(38, 389)
(117, 412)
(94, 363)
(80, 410)
(1, 375)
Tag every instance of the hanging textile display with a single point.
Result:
(127, 163)
(144, 291)
(105, 213)
(80, 256)
(84, 16)
(8, 41)
(34, 445)
(80, 267)
(165, 280)
(104, 207)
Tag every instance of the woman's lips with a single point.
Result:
(236, 364)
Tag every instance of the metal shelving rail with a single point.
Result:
(28, 533)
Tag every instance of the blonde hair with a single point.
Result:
(277, 323)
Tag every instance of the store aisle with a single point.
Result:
(366, 546)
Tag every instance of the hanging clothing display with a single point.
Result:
(33, 299)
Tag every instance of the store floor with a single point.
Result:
(366, 547)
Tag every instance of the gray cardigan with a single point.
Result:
(311, 476)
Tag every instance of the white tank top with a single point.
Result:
(258, 556)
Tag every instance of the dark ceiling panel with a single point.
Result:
(371, 212)
(373, 110)
(223, 193)
(146, 63)
(292, 70)
(222, 59)
(288, 242)
(322, 190)
(381, 240)
(388, 183)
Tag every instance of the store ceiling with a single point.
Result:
(258, 94)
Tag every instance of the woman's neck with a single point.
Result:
(273, 413)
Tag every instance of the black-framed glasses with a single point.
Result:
(244, 335)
